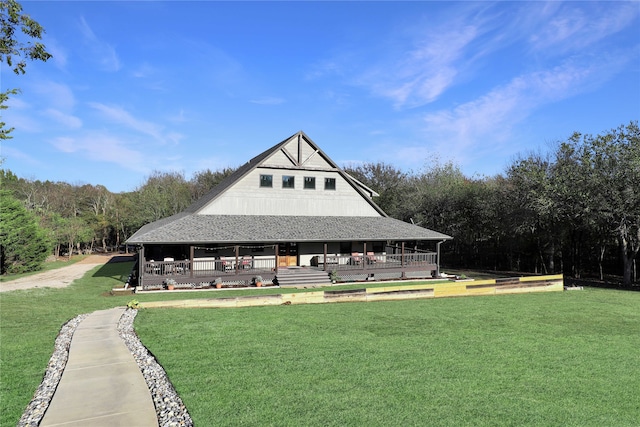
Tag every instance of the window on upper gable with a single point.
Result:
(329, 183)
(310, 182)
(266, 181)
(288, 181)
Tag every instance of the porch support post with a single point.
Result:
(438, 257)
(364, 255)
(141, 265)
(191, 256)
(402, 261)
(277, 249)
(237, 248)
(324, 263)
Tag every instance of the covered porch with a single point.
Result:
(193, 266)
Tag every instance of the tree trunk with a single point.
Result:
(600, 260)
(629, 247)
(627, 269)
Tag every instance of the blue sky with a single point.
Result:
(136, 87)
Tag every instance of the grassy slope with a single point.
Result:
(286, 365)
(31, 319)
(539, 359)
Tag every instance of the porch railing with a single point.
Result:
(232, 269)
(373, 261)
(208, 267)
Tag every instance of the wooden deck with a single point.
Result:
(241, 271)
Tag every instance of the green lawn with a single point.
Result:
(548, 359)
(567, 359)
(31, 319)
(29, 324)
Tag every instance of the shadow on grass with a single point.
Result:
(112, 268)
(601, 284)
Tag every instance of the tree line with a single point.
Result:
(70, 219)
(574, 210)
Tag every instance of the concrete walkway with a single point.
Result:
(101, 384)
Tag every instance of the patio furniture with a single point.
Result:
(246, 262)
(356, 258)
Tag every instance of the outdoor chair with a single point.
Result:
(245, 262)
(225, 264)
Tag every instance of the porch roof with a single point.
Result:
(186, 228)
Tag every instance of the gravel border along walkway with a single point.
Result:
(169, 407)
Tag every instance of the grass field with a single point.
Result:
(567, 359)
(546, 359)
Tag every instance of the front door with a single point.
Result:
(287, 254)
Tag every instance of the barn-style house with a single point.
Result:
(291, 216)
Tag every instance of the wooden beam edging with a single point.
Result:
(390, 293)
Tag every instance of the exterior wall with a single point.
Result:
(309, 250)
(279, 159)
(246, 197)
(229, 251)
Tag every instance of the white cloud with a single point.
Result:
(102, 147)
(487, 123)
(22, 122)
(57, 95)
(422, 74)
(59, 54)
(179, 117)
(9, 154)
(123, 117)
(67, 120)
(574, 26)
(175, 137)
(267, 100)
(100, 51)
(65, 144)
(145, 70)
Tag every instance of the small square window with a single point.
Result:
(310, 182)
(288, 181)
(266, 181)
(329, 183)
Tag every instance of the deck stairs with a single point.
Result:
(302, 277)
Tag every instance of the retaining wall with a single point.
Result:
(552, 283)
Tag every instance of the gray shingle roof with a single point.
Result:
(189, 228)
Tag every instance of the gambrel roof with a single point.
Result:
(237, 211)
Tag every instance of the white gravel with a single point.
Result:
(169, 407)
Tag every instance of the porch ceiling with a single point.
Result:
(270, 229)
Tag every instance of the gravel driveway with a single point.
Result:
(60, 277)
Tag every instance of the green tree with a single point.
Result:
(19, 35)
(616, 164)
(164, 194)
(529, 196)
(392, 185)
(24, 245)
(204, 181)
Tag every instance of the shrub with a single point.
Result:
(24, 244)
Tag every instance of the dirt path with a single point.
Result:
(58, 278)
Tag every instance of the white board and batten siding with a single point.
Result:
(246, 197)
(297, 153)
